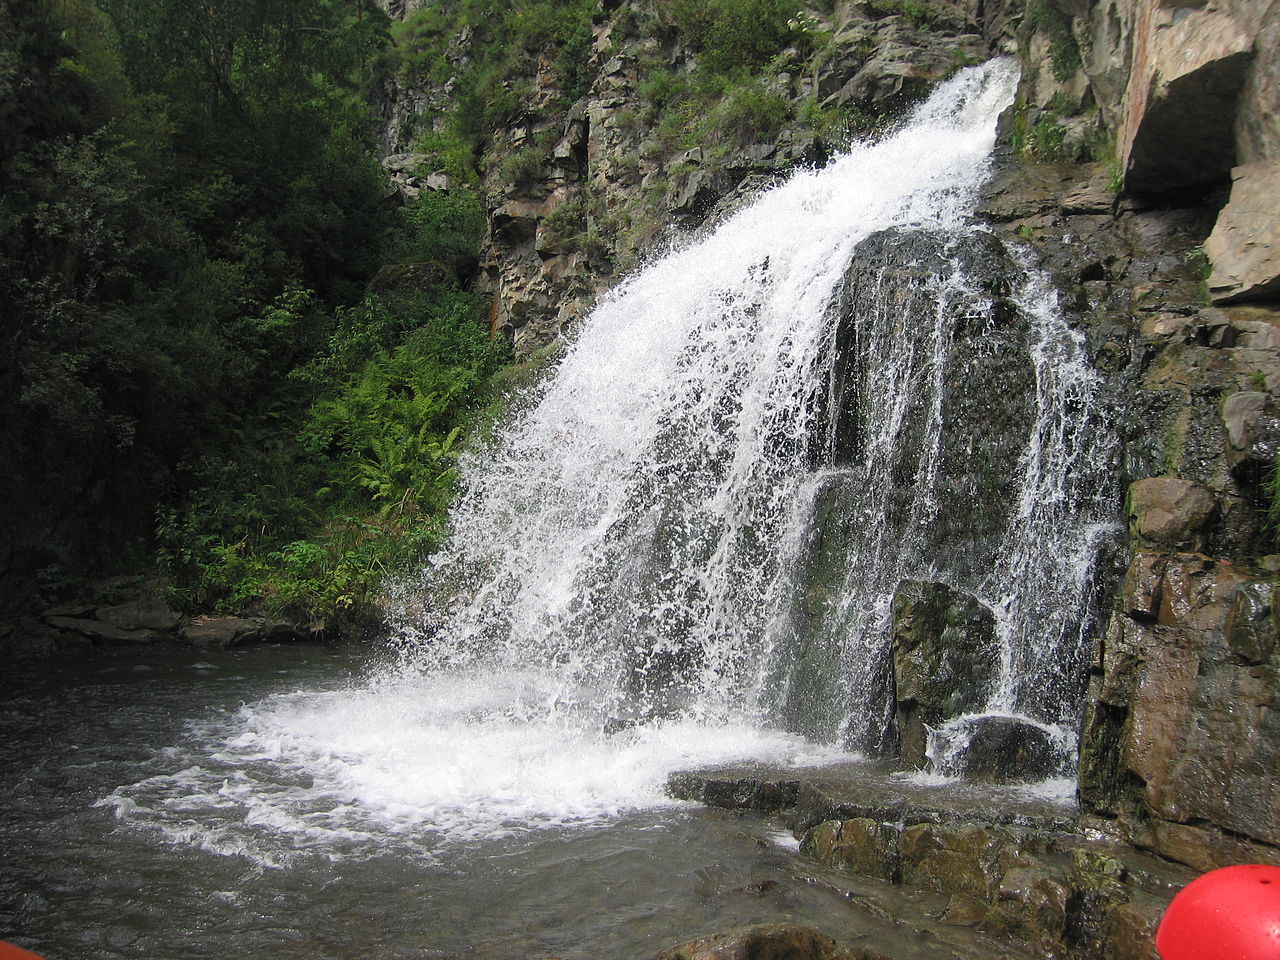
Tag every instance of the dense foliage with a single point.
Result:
(192, 357)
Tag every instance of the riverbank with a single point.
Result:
(135, 610)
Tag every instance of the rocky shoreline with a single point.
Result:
(135, 610)
(1037, 878)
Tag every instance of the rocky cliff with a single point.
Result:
(1147, 138)
(1139, 166)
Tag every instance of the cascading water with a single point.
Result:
(641, 574)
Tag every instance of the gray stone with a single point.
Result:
(1252, 420)
(152, 614)
(101, 632)
(1244, 247)
(221, 632)
(404, 162)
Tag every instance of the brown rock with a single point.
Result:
(862, 846)
(964, 911)
(1131, 930)
(1141, 594)
(956, 858)
(1037, 899)
(1250, 628)
(775, 941)
(1170, 512)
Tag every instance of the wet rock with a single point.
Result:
(1130, 932)
(945, 660)
(1244, 247)
(775, 941)
(734, 793)
(965, 911)
(1184, 737)
(1251, 626)
(862, 846)
(1036, 898)
(101, 632)
(1170, 512)
(221, 632)
(151, 614)
(1003, 750)
(956, 858)
(1141, 592)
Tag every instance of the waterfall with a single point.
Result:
(684, 549)
(638, 539)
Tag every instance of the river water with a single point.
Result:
(138, 823)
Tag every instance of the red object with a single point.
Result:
(1227, 914)
(9, 952)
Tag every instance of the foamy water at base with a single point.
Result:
(423, 763)
(253, 803)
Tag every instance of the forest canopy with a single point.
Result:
(192, 362)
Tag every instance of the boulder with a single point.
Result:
(1000, 750)
(100, 632)
(1170, 512)
(1244, 247)
(1252, 420)
(946, 660)
(221, 632)
(147, 614)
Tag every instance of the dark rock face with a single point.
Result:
(1004, 750)
(987, 394)
(945, 661)
(926, 324)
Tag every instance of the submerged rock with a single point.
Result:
(774, 941)
(1001, 750)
